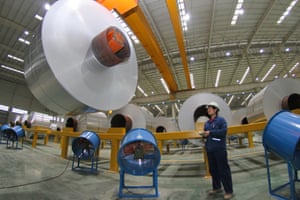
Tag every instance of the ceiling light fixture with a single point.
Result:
(19, 111)
(268, 72)
(287, 11)
(47, 6)
(163, 82)
(246, 99)
(238, 11)
(230, 100)
(12, 69)
(294, 67)
(38, 17)
(15, 58)
(218, 77)
(24, 41)
(4, 108)
(176, 107)
(158, 108)
(261, 50)
(192, 80)
(184, 17)
(142, 91)
(245, 75)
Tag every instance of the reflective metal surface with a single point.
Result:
(66, 77)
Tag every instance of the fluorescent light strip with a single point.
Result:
(19, 111)
(158, 108)
(176, 107)
(142, 91)
(163, 82)
(247, 98)
(192, 80)
(24, 41)
(230, 100)
(245, 75)
(15, 58)
(287, 11)
(268, 72)
(125, 27)
(238, 11)
(38, 17)
(12, 69)
(294, 67)
(184, 17)
(218, 78)
(4, 108)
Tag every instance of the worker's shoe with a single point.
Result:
(228, 196)
(213, 192)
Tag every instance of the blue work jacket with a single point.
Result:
(217, 138)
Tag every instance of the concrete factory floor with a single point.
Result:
(42, 174)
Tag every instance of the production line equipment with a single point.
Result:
(138, 155)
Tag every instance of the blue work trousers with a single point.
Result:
(220, 170)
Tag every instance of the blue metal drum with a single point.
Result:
(16, 131)
(19, 131)
(86, 144)
(4, 127)
(138, 153)
(12, 134)
(282, 136)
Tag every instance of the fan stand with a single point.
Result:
(12, 141)
(87, 154)
(138, 195)
(293, 177)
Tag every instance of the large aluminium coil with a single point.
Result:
(165, 124)
(82, 59)
(239, 116)
(92, 121)
(130, 117)
(281, 94)
(138, 154)
(195, 109)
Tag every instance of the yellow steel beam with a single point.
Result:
(175, 18)
(122, 6)
(138, 23)
(246, 128)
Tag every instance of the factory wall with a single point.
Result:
(19, 96)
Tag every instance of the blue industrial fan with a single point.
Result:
(138, 155)
(282, 137)
(85, 148)
(12, 135)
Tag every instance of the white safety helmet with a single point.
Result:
(213, 104)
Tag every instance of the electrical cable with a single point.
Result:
(40, 181)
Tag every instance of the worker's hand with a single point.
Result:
(206, 133)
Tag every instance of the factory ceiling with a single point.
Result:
(232, 48)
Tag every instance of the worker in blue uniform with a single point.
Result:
(215, 130)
